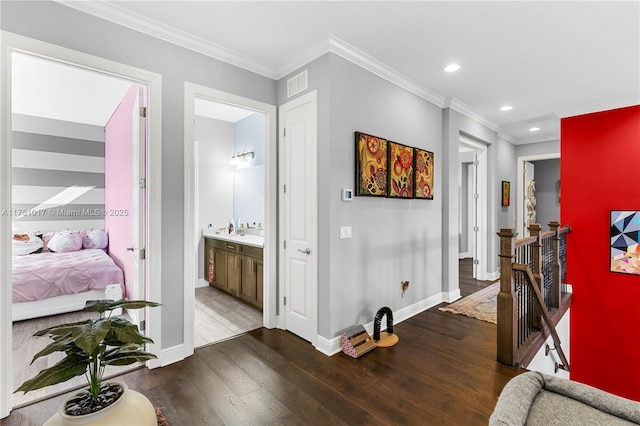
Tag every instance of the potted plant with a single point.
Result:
(90, 346)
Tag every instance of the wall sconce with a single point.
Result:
(242, 157)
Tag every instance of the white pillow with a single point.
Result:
(65, 241)
(95, 239)
(24, 247)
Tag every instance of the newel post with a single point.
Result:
(535, 230)
(506, 302)
(556, 289)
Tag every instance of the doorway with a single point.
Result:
(13, 45)
(549, 202)
(201, 218)
(473, 204)
(229, 187)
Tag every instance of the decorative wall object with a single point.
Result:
(531, 202)
(625, 241)
(371, 165)
(400, 171)
(506, 193)
(423, 174)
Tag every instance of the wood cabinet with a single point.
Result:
(235, 268)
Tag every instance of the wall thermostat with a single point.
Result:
(347, 194)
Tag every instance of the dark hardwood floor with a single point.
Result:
(443, 371)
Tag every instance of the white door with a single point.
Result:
(473, 203)
(138, 206)
(299, 228)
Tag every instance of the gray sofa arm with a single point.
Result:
(535, 398)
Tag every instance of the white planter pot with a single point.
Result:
(88, 418)
(132, 408)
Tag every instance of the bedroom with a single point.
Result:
(73, 214)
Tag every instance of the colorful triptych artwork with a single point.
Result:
(625, 241)
(390, 169)
(371, 165)
(401, 173)
(424, 174)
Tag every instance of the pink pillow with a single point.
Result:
(95, 239)
(65, 241)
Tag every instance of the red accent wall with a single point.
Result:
(600, 172)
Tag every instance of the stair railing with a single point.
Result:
(533, 292)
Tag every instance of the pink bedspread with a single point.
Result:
(47, 274)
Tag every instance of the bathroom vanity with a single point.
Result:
(234, 264)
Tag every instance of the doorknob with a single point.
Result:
(306, 251)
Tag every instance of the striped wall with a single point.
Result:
(57, 174)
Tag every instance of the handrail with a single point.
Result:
(521, 322)
(531, 281)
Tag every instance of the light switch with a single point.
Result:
(345, 232)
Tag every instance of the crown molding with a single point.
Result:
(301, 61)
(599, 106)
(507, 137)
(126, 18)
(132, 20)
(464, 109)
(371, 64)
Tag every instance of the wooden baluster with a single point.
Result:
(535, 230)
(556, 289)
(506, 302)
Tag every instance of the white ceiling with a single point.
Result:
(220, 111)
(548, 59)
(45, 88)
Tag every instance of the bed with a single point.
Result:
(51, 283)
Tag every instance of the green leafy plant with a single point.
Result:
(91, 345)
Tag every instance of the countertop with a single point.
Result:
(249, 240)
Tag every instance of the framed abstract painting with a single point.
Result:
(371, 165)
(400, 171)
(625, 241)
(506, 193)
(423, 170)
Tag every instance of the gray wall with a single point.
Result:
(393, 240)
(455, 124)
(547, 176)
(248, 182)
(540, 148)
(215, 176)
(66, 27)
(507, 170)
(50, 156)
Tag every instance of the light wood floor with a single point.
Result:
(219, 316)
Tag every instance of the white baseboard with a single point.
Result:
(201, 283)
(328, 347)
(333, 346)
(170, 355)
(451, 296)
(493, 276)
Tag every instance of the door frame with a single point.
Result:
(192, 233)
(311, 96)
(520, 185)
(13, 42)
(482, 157)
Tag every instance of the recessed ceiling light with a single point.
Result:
(534, 129)
(506, 108)
(452, 68)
